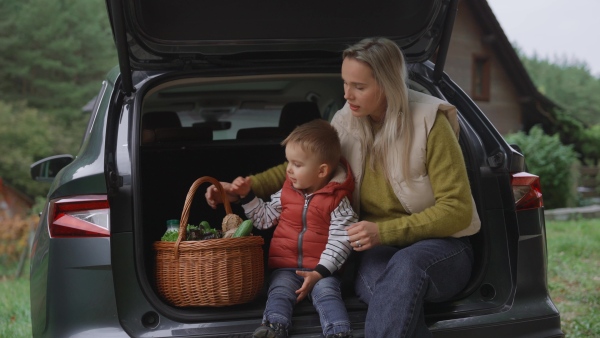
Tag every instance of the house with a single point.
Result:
(13, 202)
(482, 61)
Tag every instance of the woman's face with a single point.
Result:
(363, 93)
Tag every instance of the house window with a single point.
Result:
(481, 78)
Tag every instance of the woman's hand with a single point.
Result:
(310, 279)
(363, 235)
(213, 196)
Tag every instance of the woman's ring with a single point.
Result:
(358, 244)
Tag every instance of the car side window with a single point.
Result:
(94, 111)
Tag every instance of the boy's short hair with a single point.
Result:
(319, 138)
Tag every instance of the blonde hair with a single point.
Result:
(387, 63)
(319, 138)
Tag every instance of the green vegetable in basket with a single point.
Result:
(205, 225)
(212, 234)
(170, 236)
(244, 229)
(194, 233)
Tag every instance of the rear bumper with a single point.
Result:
(537, 327)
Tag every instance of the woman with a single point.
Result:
(412, 191)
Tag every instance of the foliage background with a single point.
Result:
(570, 84)
(14, 238)
(59, 53)
(54, 57)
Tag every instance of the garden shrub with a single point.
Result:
(552, 161)
(14, 237)
(591, 144)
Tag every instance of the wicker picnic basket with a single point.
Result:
(214, 272)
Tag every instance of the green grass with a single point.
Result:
(574, 274)
(573, 280)
(15, 316)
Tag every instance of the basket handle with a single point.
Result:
(185, 214)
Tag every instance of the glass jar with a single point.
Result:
(173, 225)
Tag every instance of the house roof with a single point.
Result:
(6, 188)
(496, 38)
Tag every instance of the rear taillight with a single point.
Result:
(527, 191)
(80, 216)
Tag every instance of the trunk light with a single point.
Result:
(80, 216)
(527, 191)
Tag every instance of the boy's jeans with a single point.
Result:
(396, 282)
(326, 297)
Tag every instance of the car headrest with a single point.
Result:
(294, 114)
(160, 119)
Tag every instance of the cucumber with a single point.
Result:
(244, 229)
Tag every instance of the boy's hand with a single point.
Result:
(310, 279)
(213, 197)
(241, 186)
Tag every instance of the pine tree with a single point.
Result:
(55, 53)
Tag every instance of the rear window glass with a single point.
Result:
(226, 126)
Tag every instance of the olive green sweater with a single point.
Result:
(446, 170)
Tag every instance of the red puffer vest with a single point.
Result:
(303, 229)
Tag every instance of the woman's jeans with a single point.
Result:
(326, 297)
(396, 282)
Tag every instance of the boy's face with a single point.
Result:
(304, 169)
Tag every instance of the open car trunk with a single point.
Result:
(227, 127)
